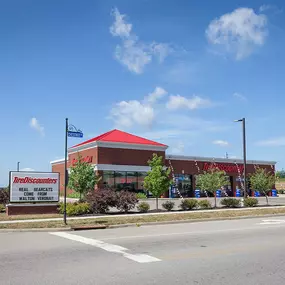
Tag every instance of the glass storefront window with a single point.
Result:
(108, 179)
(141, 176)
(184, 184)
(227, 189)
(120, 180)
(131, 183)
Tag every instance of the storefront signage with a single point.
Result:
(31, 187)
(225, 167)
(87, 159)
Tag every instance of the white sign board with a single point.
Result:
(30, 187)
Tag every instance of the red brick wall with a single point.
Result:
(59, 168)
(91, 153)
(189, 167)
(125, 156)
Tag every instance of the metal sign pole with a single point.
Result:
(65, 171)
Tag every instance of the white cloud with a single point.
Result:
(240, 96)
(221, 142)
(132, 52)
(265, 7)
(34, 124)
(179, 102)
(120, 27)
(27, 169)
(273, 8)
(239, 32)
(156, 95)
(125, 114)
(272, 142)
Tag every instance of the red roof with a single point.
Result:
(118, 136)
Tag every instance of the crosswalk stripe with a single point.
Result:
(141, 258)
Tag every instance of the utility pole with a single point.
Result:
(18, 166)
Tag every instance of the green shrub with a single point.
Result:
(230, 202)
(4, 196)
(2, 208)
(168, 205)
(281, 191)
(250, 202)
(143, 207)
(204, 204)
(73, 195)
(141, 195)
(188, 204)
(75, 209)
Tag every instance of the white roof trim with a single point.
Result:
(115, 167)
(117, 145)
(221, 160)
(58, 161)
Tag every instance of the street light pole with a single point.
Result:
(244, 155)
(65, 171)
(18, 166)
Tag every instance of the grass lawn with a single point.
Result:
(4, 217)
(109, 220)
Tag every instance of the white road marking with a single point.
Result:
(272, 222)
(141, 258)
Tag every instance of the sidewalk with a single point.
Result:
(137, 215)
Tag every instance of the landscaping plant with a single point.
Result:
(141, 195)
(4, 196)
(143, 207)
(212, 180)
(126, 201)
(168, 205)
(231, 202)
(75, 209)
(157, 180)
(263, 181)
(101, 200)
(82, 178)
(188, 204)
(204, 204)
(250, 202)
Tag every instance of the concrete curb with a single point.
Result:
(139, 214)
(193, 221)
(142, 224)
(36, 230)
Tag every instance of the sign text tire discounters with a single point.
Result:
(30, 187)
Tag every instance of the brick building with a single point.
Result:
(121, 159)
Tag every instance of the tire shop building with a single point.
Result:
(121, 159)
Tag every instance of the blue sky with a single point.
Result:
(178, 72)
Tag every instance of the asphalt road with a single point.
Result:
(247, 252)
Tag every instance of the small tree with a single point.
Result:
(212, 180)
(82, 178)
(263, 181)
(157, 180)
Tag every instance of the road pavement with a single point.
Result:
(232, 252)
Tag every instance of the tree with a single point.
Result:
(157, 180)
(263, 181)
(280, 174)
(82, 178)
(212, 180)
